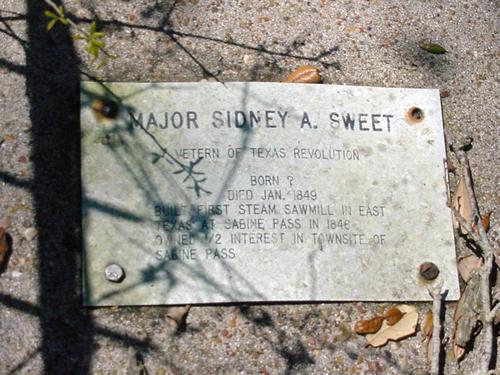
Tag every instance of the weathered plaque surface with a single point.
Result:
(210, 192)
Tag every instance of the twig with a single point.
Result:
(318, 58)
(459, 150)
(77, 27)
(56, 9)
(437, 298)
(481, 239)
(470, 231)
(491, 316)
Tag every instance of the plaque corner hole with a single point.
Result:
(415, 115)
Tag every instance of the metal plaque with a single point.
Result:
(238, 192)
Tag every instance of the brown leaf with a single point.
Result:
(463, 204)
(362, 327)
(404, 328)
(444, 93)
(393, 315)
(458, 352)
(469, 265)
(4, 248)
(305, 74)
(427, 324)
(177, 316)
(486, 223)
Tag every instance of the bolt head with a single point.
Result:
(109, 109)
(105, 108)
(429, 270)
(114, 273)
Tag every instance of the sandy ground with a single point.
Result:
(42, 324)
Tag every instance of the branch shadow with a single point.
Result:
(164, 271)
(52, 73)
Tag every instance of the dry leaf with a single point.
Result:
(363, 327)
(486, 223)
(305, 74)
(404, 328)
(458, 352)
(4, 248)
(444, 94)
(393, 315)
(177, 316)
(427, 324)
(463, 204)
(469, 265)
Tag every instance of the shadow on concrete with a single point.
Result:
(52, 73)
(53, 100)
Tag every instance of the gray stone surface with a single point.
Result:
(42, 322)
(306, 193)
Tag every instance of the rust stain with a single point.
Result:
(414, 116)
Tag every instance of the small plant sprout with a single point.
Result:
(56, 17)
(94, 46)
(92, 39)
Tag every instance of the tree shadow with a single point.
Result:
(52, 73)
(53, 101)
